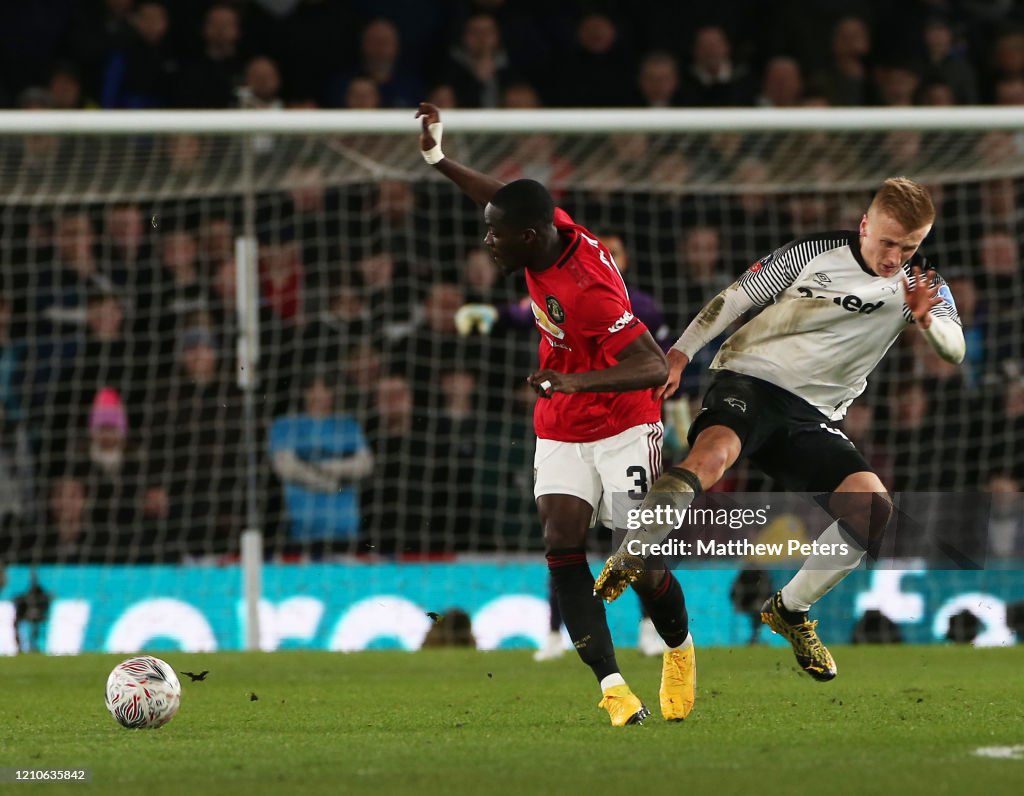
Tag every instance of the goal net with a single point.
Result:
(374, 446)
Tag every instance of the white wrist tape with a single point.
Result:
(435, 155)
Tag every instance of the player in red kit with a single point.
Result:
(599, 424)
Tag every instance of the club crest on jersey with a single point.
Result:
(822, 279)
(736, 403)
(555, 311)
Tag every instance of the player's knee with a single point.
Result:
(864, 507)
(558, 536)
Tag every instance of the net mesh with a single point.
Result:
(379, 427)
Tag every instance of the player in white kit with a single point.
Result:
(833, 304)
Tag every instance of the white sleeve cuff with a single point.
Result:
(946, 337)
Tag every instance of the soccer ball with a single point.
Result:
(143, 693)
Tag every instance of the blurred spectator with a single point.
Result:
(116, 477)
(847, 79)
(328, 335)
(98, 28)
(209, 80)
(923, 461)
(782, 85)
(107, 359)
(15, 467)
(126, 249)
(859, 426)
(68, 534)
(1005, 434)
(74, 274)
(396, 497)
(362, 367)
(216, 242)
(380, 61)
(1008, 55)
(536, 157)
(714, 79)
(947, 61)
(198, 436)
(181, 293)
(185, 156)
(1010, 91)
(596, 70)
(443, 96)
(433, 346)
(320, 456)
(1006, 526)
(66, 89)
(141, 74)
(897, 84)
(478, 66)
(454, 444)
(281, 279)
(658, 81)
(935, 94)
(520, 96)
(362, 94)
(263, 83)
(965, 293)
(389, 294)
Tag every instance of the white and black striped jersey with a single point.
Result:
(827, 319)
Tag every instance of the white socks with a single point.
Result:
(611, 681)
(820, 573)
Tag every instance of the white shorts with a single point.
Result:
(627, 463)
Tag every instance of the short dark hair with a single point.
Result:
(525, 203)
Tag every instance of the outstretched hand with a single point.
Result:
(922, 296)
(428, 114)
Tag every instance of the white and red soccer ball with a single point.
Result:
(143, 693)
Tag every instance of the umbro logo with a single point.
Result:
(822, 279)
(736, 403)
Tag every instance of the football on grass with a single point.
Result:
(143, 693)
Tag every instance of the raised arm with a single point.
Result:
(756, 287)
(477, 186)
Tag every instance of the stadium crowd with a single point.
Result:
(497, 53)
(380, 427)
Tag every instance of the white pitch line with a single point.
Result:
(1001, 752)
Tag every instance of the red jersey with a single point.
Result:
(585, 318)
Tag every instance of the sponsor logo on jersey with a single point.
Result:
(621, 323)
(850, 303)
(555, 311)
(736, 403)
(822, 279)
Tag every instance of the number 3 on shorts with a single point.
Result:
(639, 476)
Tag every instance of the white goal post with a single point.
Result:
(694, 164)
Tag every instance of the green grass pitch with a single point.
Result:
(897, 719)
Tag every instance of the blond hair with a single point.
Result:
(906, 202)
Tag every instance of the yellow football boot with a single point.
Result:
(623, 706)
